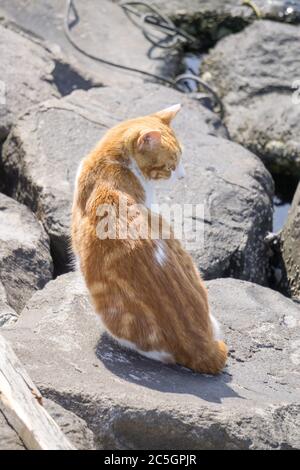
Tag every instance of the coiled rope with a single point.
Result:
(159, 30)
(152, 21)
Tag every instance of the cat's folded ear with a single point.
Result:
(168, 114)
(149, 140)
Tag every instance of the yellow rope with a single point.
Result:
(251, 4)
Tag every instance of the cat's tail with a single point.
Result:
(213, 360)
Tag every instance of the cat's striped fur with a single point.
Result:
(148, 292)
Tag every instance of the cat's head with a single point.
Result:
(155, 147)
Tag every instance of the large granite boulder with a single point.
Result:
(130, 402)
(254, 72)
(30, 72)
(290, 246)
(25, 260)
(228, 181)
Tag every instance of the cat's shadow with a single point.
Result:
(144, 372)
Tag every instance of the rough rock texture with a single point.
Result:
(103, 29)
(193, 7)
(7, 314)
(230, 182)
(9, 440)
(130, 402)
(290, 243)
(71, 425)
(253, 72)
(39, 75)
(210, 20)
(25, 261)
(207, 20)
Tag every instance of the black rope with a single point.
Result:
(174, 36)
(189, 76)
(67, 29)
(158, 22)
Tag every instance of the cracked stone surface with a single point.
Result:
(253, 72)
(229, 183)
(130, 402)
(41, 73)
(290, 246)
(9, 440)
(25, 260)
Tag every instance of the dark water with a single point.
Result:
(285, 187)
(281, 209)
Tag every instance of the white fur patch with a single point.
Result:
(76, 263)
(160, 252)
(175, 108)
(216, 328)
(160, 356)
(179, 171)
(147, 185)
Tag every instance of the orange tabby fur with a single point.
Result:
(156, 306)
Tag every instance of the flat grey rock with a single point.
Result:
(130, 402)
(268, 8)
(25, 260)
(30, 72)
(226, 180)
(253, 72)
(178, 7)
(290, 246)
(103, 29)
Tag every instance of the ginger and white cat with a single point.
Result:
(147, 291)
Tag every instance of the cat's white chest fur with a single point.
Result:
(147, 185)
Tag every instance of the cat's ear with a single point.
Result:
(149, 140)
(168, 114)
